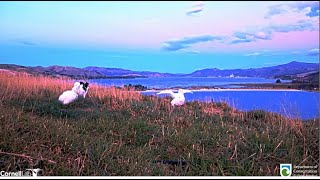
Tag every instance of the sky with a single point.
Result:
(161, 36)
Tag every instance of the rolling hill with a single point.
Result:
(283, 70)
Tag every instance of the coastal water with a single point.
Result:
(297, 104)
(184, 82)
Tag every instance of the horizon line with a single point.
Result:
(156, 71)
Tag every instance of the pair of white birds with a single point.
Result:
(178, 98)
(79, 89)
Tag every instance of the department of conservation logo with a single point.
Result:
(285, 170)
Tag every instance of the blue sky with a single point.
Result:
(176, 37)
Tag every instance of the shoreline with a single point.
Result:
(238, 87)
(227, 89)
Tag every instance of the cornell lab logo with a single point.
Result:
(34, 171)
(28, 172)
(285, 170)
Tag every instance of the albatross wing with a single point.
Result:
(167, 92)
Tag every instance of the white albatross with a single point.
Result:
(70, 95)
(178, 98)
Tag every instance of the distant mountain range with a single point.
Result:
(279, 71)
(126, 73)
(286, 71)
(90, 72)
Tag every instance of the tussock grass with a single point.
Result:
(116, 132)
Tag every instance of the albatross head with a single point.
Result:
(85, 85)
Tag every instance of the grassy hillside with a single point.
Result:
(117, 132)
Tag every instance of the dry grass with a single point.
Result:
(120, 132)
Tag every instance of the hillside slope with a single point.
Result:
(116, 132)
